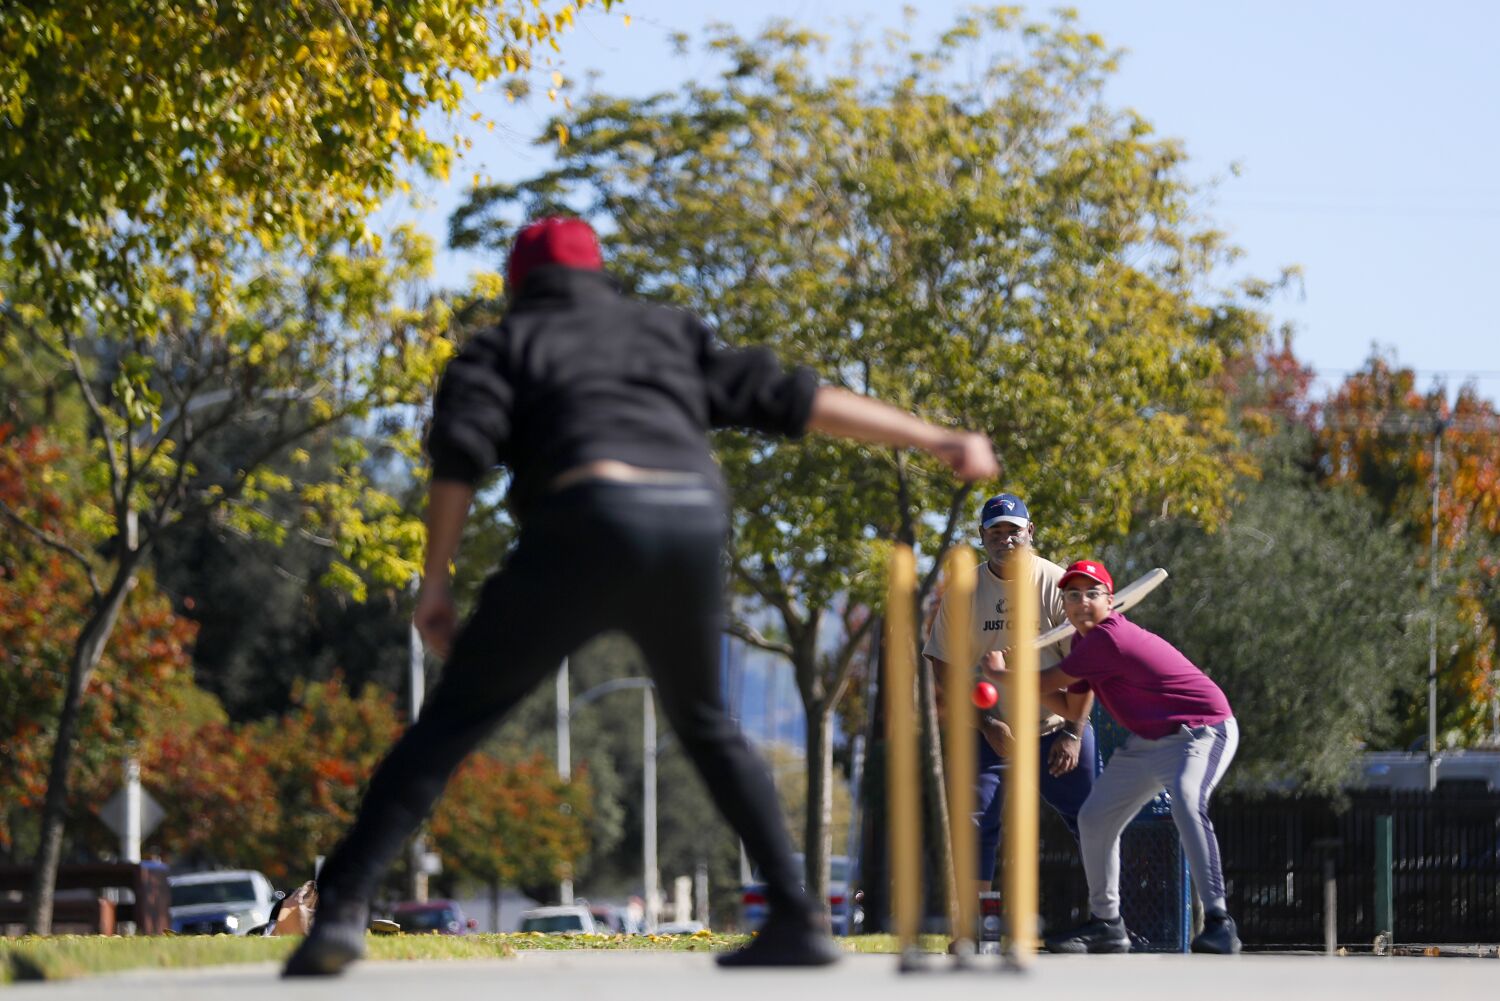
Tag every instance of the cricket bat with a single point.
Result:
(1126, 598)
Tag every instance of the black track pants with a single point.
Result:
(598, 556)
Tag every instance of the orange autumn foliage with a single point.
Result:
(143, 682)
(1376, 435)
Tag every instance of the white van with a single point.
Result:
(563, 920)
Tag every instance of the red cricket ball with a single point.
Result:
(985, 695)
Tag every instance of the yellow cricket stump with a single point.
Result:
(958, 739)
(902, 785)
(1022, 780)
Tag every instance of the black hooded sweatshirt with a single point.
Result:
(577, 372)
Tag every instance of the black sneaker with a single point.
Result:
(1095, 935)
(1218, 936)
(337, 939)
(790, 942)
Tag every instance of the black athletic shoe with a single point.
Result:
(1095, 935)
(1218, 936)
(337, 939)
(792, 942)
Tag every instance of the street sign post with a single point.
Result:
(132, 813)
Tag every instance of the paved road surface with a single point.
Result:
(623, 976)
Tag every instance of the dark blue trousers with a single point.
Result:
(1065, 794)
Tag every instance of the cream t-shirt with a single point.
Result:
(993, 625)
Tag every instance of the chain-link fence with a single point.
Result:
(1155, 892)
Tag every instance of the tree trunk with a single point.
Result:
(494, 905)
(817, 837)
(935, 791)
(87, 651)
(874, 861)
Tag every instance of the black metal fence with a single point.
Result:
(1445, 869)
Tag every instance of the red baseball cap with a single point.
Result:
(1091, 569)
(553, 240)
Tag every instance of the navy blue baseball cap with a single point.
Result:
(1006, 508)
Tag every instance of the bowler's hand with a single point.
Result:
(1064, 756)
(436, 617)
(993, 663)
(970, 455)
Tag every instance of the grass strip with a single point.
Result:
(63, 957)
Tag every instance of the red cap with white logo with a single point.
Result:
(1091, 569)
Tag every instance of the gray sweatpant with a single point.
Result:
(1188, 764)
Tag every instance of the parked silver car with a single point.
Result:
(225, 902)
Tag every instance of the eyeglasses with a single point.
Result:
(1073, 597)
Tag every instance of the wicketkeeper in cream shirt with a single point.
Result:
(1067, 749)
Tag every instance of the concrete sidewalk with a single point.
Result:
(627, 976)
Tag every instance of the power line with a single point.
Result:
(1467, 373)
(1475, 212)
(1412, 425)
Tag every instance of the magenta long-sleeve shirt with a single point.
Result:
(1146, 683)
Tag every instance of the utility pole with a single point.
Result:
(416, 690)
(130, 839)
(648, 841)
(1439, 425)
(566, 707)
(564, 758)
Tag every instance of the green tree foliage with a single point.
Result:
(137, 131)
(301, 628)
(992, 247)
(1305, 606)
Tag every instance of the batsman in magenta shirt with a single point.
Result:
(1146, 683)
(1183, 736)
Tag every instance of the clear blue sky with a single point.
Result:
(1368, 136)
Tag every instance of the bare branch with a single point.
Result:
(950, 528)
(749, 634)
(172, 495)
(14, 316)
(178, 419)
(907, 532)
(322, 541)
(844, 662)
(274, 445)
(53, 542)
(768, 588)
(97, 410)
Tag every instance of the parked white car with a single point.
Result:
(561, 920)
(680, 928)
(230, 901)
